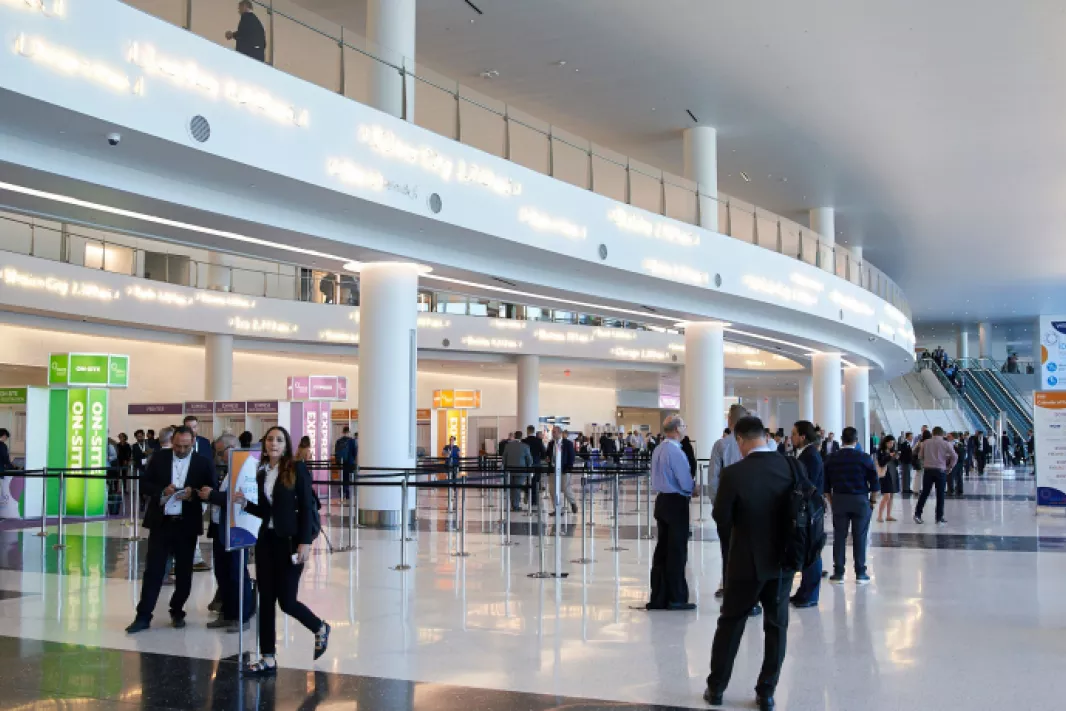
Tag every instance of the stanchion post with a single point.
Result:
(62, 504)
(43, 533)
(403, 526)
(647, 536)
(614, 528)
(584, 530)
(136, 535)
(461, 553)
(507, 512)
(353, 513)
(240, 612)
(636, 509)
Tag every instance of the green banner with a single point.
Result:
(57, 443)
(77, 404)
(118, 375)
(58, 368)
(12, 396)
(88, 369)
(96, 452)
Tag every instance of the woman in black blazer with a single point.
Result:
(284, 544)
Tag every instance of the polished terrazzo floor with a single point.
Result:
(965, 616)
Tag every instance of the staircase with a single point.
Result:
(988, 392)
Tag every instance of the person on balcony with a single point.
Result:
(249, 35)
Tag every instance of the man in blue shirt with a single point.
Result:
(671, 479)
(852, 486)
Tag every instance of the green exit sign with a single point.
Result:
(102, 370)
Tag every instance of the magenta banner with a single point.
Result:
(323, 387)
(298, 387)
(155, 408)
(199, 408)
(342, 388)
(262, 407)
(230, 408)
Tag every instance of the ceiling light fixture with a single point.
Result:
(489, 74)
(747, 178)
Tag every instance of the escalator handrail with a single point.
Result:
(977, 381)
(1014, 413)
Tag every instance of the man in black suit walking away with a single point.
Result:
(174, 519)
(752, 503)
(250, 35)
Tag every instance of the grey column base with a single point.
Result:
(383, 519)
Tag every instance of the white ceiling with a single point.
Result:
(935, 129)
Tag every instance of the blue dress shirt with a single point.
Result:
(670, 472)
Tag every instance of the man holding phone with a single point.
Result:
(174, 519)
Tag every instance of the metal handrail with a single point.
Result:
(879, 285)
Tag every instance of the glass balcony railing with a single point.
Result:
(316, 50)
(156, 260)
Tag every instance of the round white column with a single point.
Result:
(806, 398)
(388, 371)
(827, 401)
(984, 337)
(705, 383)
(857, 397)
(962, 347)
(701, 166)
(218, 366)
(823, 221)
(528, 391)
(390, 29)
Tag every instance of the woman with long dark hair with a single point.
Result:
(284, 545)
(888, 470)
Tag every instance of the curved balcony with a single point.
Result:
(316, 50)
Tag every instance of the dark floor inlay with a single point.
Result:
(52, 673)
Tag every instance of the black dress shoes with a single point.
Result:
(138, 625)
(714, 698)
(765, 703)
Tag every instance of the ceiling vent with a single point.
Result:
(199, 129)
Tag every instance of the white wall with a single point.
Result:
(172, 372)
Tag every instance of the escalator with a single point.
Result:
(967, 404)
(977, 393)
(1002, 393)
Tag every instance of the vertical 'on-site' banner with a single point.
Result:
(77, 440)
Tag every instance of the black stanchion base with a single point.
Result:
(58, 547)
(548, 575)
(582, 561)
(509, 543)
(402, 567)
(616, 549)
(460, 554)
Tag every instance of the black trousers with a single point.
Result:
(166, 539)
(668, 584)
(955, 480)
(279, 579)
(740, 597)
(937, 478)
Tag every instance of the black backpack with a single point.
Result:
(805, 526)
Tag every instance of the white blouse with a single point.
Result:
(268, 488)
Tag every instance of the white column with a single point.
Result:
(388, 368)
(528, 391)
(218, 366)
(806, 398)
(857, 397)
(827, 401)
(984, 336)
(219, 276)
(962, 347)
(856, 264)
(705, 384)
(701, 166)
(823, 221)
(390, 29)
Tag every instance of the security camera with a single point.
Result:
(113, 139)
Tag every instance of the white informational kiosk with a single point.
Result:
(1049, 429)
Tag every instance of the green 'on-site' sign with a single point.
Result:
(89, 370)
(12, 396)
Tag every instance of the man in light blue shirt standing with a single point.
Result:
(671, 479)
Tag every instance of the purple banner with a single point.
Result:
(323, 387)
(342, 388)
(298, 387)
(262, 407)
(199, 408)
(160, 408)
(230, 408)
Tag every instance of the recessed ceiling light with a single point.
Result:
(561, 63)
(489, 73)
(744, 175)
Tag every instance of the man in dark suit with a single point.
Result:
(805, 443)
(830, 446)
(751, 503)
(561, 456)
(201, 445)
(250, 35)
(174, 519)
(852, 485)
(538, 451)
(140, 452)
(906, 459)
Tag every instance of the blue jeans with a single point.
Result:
(227, 574)
(810, 583)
